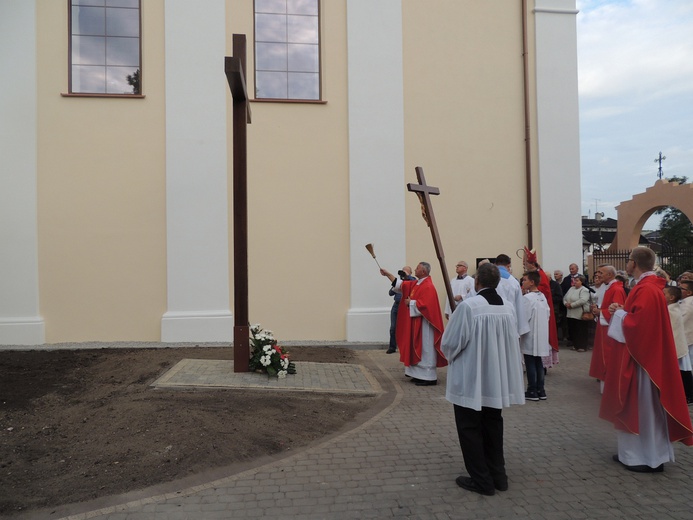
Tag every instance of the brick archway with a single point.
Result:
(632, 214)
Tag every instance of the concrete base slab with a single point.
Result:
(309, 377)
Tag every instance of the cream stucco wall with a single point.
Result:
(435, 83)
(465, 126)
(298, 216)
(101, 193)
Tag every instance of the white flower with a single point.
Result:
(281, 374)
(285, 363)
(265, 360)
(255, 328)
(267, 348)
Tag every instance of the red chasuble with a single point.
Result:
(408, 332)
(603, 345)
(545, 288)
(650, 345)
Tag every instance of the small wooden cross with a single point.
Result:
(234, 67)
(424, 192)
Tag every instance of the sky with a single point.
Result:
(635, 77)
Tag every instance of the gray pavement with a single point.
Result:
(402, 461)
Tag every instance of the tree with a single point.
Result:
(675, 229)
(134, 81)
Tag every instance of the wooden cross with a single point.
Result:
(424, 192)
(234, 67)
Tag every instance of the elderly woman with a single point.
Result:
(577, 301)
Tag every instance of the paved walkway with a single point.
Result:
(402, 463)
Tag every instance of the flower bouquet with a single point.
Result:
(266, 356)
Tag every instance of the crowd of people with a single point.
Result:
(638, 324)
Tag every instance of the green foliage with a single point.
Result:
(675, 229)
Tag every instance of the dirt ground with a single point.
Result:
(76, 425)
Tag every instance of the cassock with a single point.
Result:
(643, 393)
(604, 345)
(481, 345)
(420, 329)
(536, 341)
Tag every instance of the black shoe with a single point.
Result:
(639, 469)
(531, 396)
(391, 351)
(421, 382)
(542, 395)
(470, 485)
(501, 486)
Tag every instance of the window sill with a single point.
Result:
(294, 101)
(85, 95)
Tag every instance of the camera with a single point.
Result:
(402, 274)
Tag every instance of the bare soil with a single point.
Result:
(76, 425)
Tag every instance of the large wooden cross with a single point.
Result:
(424, 192)
(234, 67)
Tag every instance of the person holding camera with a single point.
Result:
(404, 274)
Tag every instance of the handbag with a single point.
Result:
(587, 314)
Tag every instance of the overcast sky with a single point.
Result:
(635, 66)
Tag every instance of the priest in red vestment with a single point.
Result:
(603, 344)
(643, 393)
(419, 326)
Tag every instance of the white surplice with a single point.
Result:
(482, 347)
(510, 290)
(536, 341)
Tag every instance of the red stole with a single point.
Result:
(650, 345)
(409, 330)
(545, 288)
(603, 345)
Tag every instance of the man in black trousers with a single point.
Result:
(484, 376)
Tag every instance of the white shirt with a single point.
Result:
(536, 341)
(482, 348)
(463, 287)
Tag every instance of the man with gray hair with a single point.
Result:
(419, 326)
(462, 286)
(604, 345)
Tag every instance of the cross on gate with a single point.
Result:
(424, 192)
(659, 160)
(234, 67)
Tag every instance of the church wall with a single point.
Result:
(298, 195)
(101, 189)
(432, 83)
(463, 93)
